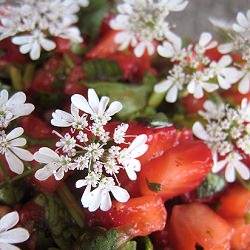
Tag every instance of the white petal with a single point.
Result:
(174, 39)
(131, 173)
(20, 40)
(205, 38)
(59, 174)
(244, 85)
(23, 110)
(47, 44)
(139, 49)
(172, 94)
(93, 100)
(16, 235)
(225, 48)
(23, 154)
(80, 183)
(105, 202)
(198, 91)
(114, 108)
(120, 194)
(137, 142)
(7, 246)
(17, 98)
(162, 86)
(243, 170)
(200, 132)
(225, 61)
(191, 87)
(4, 95)
(26, 48)
(224, 84)
(8, 221)
(218, 166)
(166, 50)
(46, 155)
(35, 51)
(18, 142)
(230, 173)
(15, 164)
(238, 28)
(81, 103)
(242, 20)
(210, 87)
(96, 200)
(16, 132)
(45, 172)
(103, 105)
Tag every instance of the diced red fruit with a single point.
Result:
(137, 217)
(183, 136)
(233, 95)
(191, 104)
(181, 169)
(213, 54)
(62, 45)
(10, 53)
(235, 203)
(133, 68)
(105, 46)
(241, 235)
(197, 224)
(36, 128)
(105, 28)
(53, 64)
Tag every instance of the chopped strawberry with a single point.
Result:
(197, 225)
(191, 104)
(179, 170)
(137, 217)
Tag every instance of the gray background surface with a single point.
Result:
(194, 19)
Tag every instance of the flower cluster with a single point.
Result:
(194, 72)
(11, 143)
(10, 235)
(31, 23)
(142, 22)
(239, 34)
(90, 147)
(227, 133)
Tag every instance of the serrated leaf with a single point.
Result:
(155, 187)
(99, 240)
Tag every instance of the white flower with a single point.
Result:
(213, 110)
(83, 3)
(54, 164)
(94, 151)
(140, 30)
(14, 107)
(244, 84)
(100, 196)
(33, 43)
(127, 156)
(243, 25)
(120, 132)
(10, 146)
(95, 107)
(226, 75)
(10, 235)
(205, 42)
(232, 163)
(244, 110)
(198, 83)
(174, 83)
(65, 119)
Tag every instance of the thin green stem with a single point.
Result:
(68, 60)
(155, 99)
(71, 204)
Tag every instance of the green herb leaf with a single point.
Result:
(155, 187)
(132, 97)
(144, 242)
(91, 18)
(99, 240)
(212, 184)
(102, 70)
(131, 245)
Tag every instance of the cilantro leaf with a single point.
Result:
(155, 187)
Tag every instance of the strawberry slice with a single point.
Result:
(179, 170)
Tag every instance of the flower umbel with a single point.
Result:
(90, 148)
(226, 133)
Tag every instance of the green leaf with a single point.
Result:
(90, 18)
(99, 240)
(132, 97)
(155, 187)
(144, 242)
(102, 70)
(212, 185)
(131, 245)
(61, 226)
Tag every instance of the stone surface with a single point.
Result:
(194, 19)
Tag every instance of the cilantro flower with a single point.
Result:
(139, 29)
(10, 147)
(32, 24)
(88, 146)
(226, 130)
(10, 235)
(13, 107)
(243, 23)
